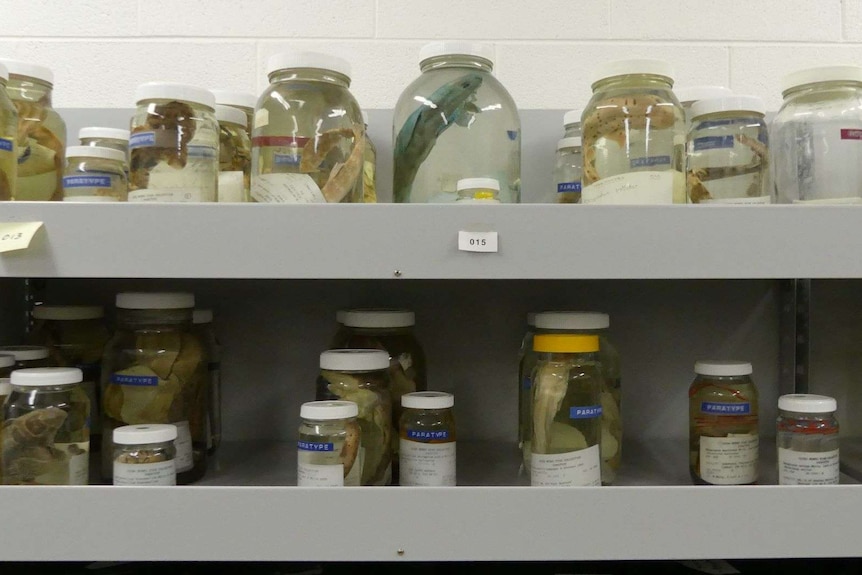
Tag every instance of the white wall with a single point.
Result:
(545, 49)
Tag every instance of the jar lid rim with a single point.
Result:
(328, 410)
(100, 152)
(144, 433)
(25, 352)
(354, 360)
(103, 132)
(46, 376)
(804, 77)
(235, 98)
(807, 403)
(175, 91)
(723, 368)
(68, 312)
(28, 70)
(428, 400)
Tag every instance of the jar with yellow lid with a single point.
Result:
(234, 162)
(8, 137)
(478, 189)
(95, 171)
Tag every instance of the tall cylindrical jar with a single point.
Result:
(173, 148)
(243, 101)
(328, 452)
(308, 142)
(428, 439)
(807, 440)
(568, 171)
(633, 136)
(456, 120)
(234, 155)
(8, 140)
(95, 171)
(202, 327)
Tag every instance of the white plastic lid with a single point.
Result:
(448, 47)
(378, 318)
(477, 183)
(108, 133)
(573, 142)
(88, 199)
(354, 360)
(637, 66)
(25, 352)
(5, 386)
(19, 68)
(325, 410)
(68, 312)
(172, 91)
(236, 99)
(728, 104)
(6, 359)
(38, 376)
(531, 319)
(807, 403)
(821, 74)
(145, 433)
(95, 152)
(573, 320)
(231, 115)
(318, 60)
(723, 368)
(695, 93)
(202, 316)
(428, 400)
(155, 300)
(572, 117)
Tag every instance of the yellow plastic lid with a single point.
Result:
(566, 343)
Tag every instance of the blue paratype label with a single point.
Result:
(527, 383)
(138, 380)
(718, 408)
(712, 143)
(85, 181)
(513, 134)
(585, 412)
(5, 145)
(314, 446)
(419, 435)
(142, 140)
(201, 152)
(650, 161)
(563, 187)
(285, 159)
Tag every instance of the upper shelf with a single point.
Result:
(421, 241)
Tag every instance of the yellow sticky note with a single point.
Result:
(17, 235)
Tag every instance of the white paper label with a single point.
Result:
(804, 468)
(729, 460)
(485, 242)
(574, 469)
(79, 461)
(17, 235)
(160, 473)
(231, 187)
(426, 464)
(183, 443)
(313, 475)
(632, 188)
(286, 189)
(178, 195)
(747, 201)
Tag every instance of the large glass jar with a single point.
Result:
(114, 138)
(816, 136)
(456, 120)
(8, 140)
(41, 146)
(174, 144)
(234, 162)
(568, 170)
(369, 167)
(634, 136)
(308, 142)
(95, 171)
(243, 101)
(328, 450)
(202, 327)
(154, 370)
(807, 440)
(688, 95)
(27, 355)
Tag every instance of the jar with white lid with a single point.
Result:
(727, 152)
(234, 155)
(633, 136)
(46, 430)
(114, 138)
(145, 455)
(8, 140)
(308, 142)
(477, 189)
(455, 120)
(27, 355)
(243, 101)
(95, 171)
(328, 451)
(688, 95)
(41, 145)
(572, 123)
(427, 439)
(174, 144)
(568, 170)
(807, 440)
(7, 365)
(817, 136)
(203, 328)
(369, 167)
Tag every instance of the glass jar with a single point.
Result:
(145, 455)
(688, 95)
(154, 370)
(723, 417)
(572, 123)
(568, 168)
(8, 140)
(7, 365)
(234, 155)
(815, 136)
(361, 376)
(46, 432)
(308, 142)
(113, 138)
(94, 171)
(634, 136)
(328, 450)
(427, 446)
(369, 167)
(524, 384)
(27, 355)
(567, 409)
(807, 440)
(242, 101)
(174, 145)
(202, 327)
(477, 189)
(41, 146)
(455, 120)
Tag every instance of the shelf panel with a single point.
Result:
(420, 241)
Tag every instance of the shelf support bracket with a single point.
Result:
(794, 329)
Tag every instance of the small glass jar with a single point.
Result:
(174, 144)
(8, 140)
(427, 446)
(478, 189)
(567, 410)
(807, 440)
(723, 419)
(7, 365)
(94, 171)
(568, 170)
(727, 152)
(524, 383)
(328, 450)
(308, 142)
(145, 455)
(234, 155)
(362, 376)
(154, 370)
(46, 432)
(242, 101)
(369, 167)
(27, 356)
(572, 123)
(634, 136)
(41, 146)
(113, 138)
(688, 95)
(202, 327)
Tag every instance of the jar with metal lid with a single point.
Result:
(427, 446)
(807, 440)
(455, 120)
(328, 450)
(308, 142)
(817, 136)
(8, 140)
(568, 170)
(27, 355)
(634, 136)
(46, 431)
(688, 95)
(202, 327)
(154, 370)
(174, 144)
(723, 418)
(362, 376)
(524, 383)
(477, 189)
(95, 171)
(41, 146)
(727, 152)
(7, 365)
(242, 101)
(113, 138)
(145, 455)
(572, 123)
(234, 155)
(369, 167)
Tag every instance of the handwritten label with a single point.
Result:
(17, 235)
(286, 189)
(632, 188)
(483, 242)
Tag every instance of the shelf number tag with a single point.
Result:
(17, 235)
(485, 242)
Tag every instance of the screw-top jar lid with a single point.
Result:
(155, 300)
(327, 410)
(696, 93)
(728, 104)
(68, 312)
(566, 343)
(572, 117)
(6, 359)
(107, 133)
(235, 99)
(202, 316)
(230, 115)
(173, 91)
(574, 320)
(628, 67)
(95, 152)
(378, 318)
(26, 69)
(5, 386)
(317, 60)
(90, 199)
(807, 403)
(573, 142)
(354, 360)
(723, 368)
(145, 433)
(821, 74)
(39, 376)
(25, 352)
(428, 400)
(455, 48)
(475, 183)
